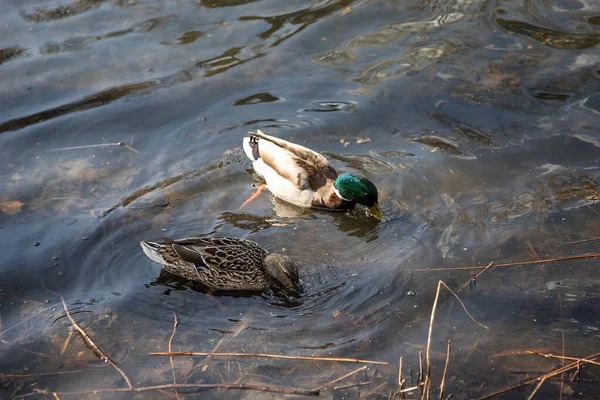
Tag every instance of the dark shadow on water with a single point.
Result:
(284, 298)
(93, 101)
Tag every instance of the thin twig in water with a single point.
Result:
(584, 240)
(550, 374)
(549, 260)
(375, 390)
(590, 207)
(491, 264)
(464, 285)
(89, 146)
(463, 306)
(184, 386)
(39, 374)
(445, 370)
(224, 339)
(205, 353)
(131, 145)
(25, 320)
(175, 323)
(90, 343)
(549, 355)
(35, 353)
(532, 252)
(351, 385)
(342, 377)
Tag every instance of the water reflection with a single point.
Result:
(60, 12)
(10, 53)
(225, 3)
(550, 37)
(303, 17)
(256, 98)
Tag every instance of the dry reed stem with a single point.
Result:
(39, 374)
(427, 386)
(400, 379)
(562, 376)
(182, 386)
(265, 355)
(429, 335)
(576, 373)
(67, 341)
(98, 352)
(537, 387)
(89, 146)
(343, 377)
(421, 375)
(551, 374)
(445, 370)
(410, 389)
(90, 343)
(175, 323)
(549, 260)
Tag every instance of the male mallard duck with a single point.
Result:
(224, 263)
(305, 178)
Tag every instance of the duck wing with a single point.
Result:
(224, 253)
(302, 166)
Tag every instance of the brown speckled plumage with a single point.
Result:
(223, 263)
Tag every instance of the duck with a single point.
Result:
(305, 178)
(224, 263)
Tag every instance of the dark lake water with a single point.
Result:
(479, 121)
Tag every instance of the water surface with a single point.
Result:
(478, 120)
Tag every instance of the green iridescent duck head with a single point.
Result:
(358, 189)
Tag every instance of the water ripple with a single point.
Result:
(61, 12)
(550, 37)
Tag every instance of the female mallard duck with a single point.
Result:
(224, 263)
(305, 178)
